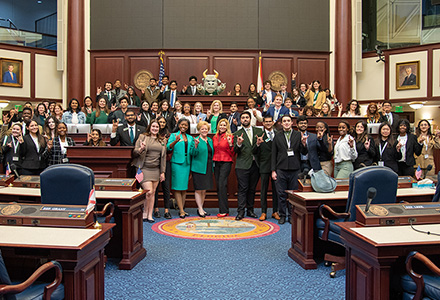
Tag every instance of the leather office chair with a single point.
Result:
(31, 289)
(68, 184)
(417, 286)
(437, 190)
(71, 184)
(383, 179)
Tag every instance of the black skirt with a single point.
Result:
(204, 181)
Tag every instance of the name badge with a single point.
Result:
(65, 160)
(426, 156)
(381, 163)
(267, 140)
(290, 152)
(15, 158)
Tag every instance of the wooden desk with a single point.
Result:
(104, 161)
(81, 254)
(373, 252)
(305, 207)
(128, 235)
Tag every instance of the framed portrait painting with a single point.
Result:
(11, 72)
(408, 75)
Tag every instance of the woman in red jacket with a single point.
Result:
(223, 142)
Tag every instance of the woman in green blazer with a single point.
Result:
(182, 145)
(100, 115)
(201, 166)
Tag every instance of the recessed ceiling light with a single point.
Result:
(39, 1)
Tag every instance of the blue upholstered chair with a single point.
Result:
(68, 184)
(383, 179)
(31, 289)
(437, 190)
(417, 286)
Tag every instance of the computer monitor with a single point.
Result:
(104, 128)
(83, 128)
(373, 128)
(71, 128)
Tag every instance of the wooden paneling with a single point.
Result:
(310, 69)
(282, 64)
(108, 69)
(184, 66)
(235, 70)
(233, 65)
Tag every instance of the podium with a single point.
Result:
(107, 162)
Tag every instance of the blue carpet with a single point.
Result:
(178, 268)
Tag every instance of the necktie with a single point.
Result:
(131, 135)
(270, 135)
(249, 134)
(108, 96)
(12, 75)
(172, 99)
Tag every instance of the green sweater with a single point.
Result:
(92, 119)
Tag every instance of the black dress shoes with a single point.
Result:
(156, 214)
(288, 219)
(251, 214)
(167, 215)
(282, 220)
(239, 217)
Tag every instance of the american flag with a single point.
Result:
(260, 86)
(8, 170)
(92, 200)
(139, 175)
(419, 173)
(161, 69)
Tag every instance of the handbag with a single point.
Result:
(322, 183)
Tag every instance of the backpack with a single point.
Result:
(322, 183)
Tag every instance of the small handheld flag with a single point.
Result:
(139, 175)
(8, 170)
(418, 173)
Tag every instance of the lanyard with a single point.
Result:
(381, 150)
(288, 138)
(15, 144)
(426, 142)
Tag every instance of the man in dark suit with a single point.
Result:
(9, 76)
(262, 151)
(277, 110)
(126, 134)
(246, 167)
(284, 93)
(268, 95)
(287, 147)
(234, 117)
(107, 94)
(171, 94)
(388, 116)
(191, 89)
(410, 78)
(311, 159)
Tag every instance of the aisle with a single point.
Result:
(177, 268)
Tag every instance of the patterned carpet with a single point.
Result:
(178, 268)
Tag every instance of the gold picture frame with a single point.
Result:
(13, 66)
(408, 75)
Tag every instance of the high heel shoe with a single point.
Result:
(150, 220)
(183, 216)
(200, 215)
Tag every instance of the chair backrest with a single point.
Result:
(382, 178)
(437, 190)
(68, 184)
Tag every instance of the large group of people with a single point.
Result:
(168, 155)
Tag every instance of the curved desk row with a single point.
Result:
(305, 205)
(127, 240)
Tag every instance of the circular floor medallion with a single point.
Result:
(213, 228)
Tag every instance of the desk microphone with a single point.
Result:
(428, 168)
(371, 194)
(14, 169)
(305, 173)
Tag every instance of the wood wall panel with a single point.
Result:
(108, 69)
(137, 63)
(235, 70)
(282, 64)
(310, 69)
(233, 65)
(180, 68)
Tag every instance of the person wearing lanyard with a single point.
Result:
(430, 142)
(32, 151)
(287, 147)
(57, 146)
(315, 96)
(11, 143)
(345, 152)
(409, 146)
(386, 152)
